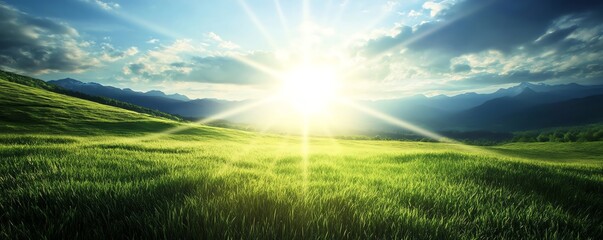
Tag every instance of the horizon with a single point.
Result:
(334, 119)
(489, 91)
(380, 50)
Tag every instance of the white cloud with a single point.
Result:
(168, 58)
(105, 5)
(390, 6)
(131, 51)
(413, 13)
(40, 45)
(111, 54)
(436, 7)
(153, 41)
(221, 42)
(188, 61)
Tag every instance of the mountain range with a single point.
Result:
(521, 107)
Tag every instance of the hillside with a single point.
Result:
(497, 111)
(32, 82)
(73, 168)
(96, 89)
(531, 110)
(27, 109)
(174, 103)
(572, 112)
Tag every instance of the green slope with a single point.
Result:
(33, 109)
(36, 83)
(71, 168)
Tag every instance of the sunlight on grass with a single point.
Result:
(221, 188)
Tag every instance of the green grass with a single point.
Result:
(75, 169)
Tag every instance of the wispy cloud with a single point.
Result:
(104, 4)
(221, 42)
(390, 6)
(470, 44)
(38, 45)
(111, 54)
(436, 7)
(190, 61)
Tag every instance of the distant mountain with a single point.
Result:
(175, 96)
(174, 103)
(499, 110)
(474, 111)
(36, 83)
(96, 89)
(507, 113)
(470, 100)
(567, 113)
(495, 108)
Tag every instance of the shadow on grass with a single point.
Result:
(141, 148)
(575, 190)
(34, 140)
(577, 193)
(93, 210)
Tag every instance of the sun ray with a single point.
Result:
(420, 36)
(305, 151)
(237, 110)
(150, 26)
(337, 17)
(215, 117)
(119, 13)
(281, 16)
(396, 121)
(257, 23)
(258, 66)
(416, 129)
(282, 148)
(329, 134)
(368, 27)
(306, 10)
(242, 152)
(326, 12)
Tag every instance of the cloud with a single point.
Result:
(226, 69)
(155, 63)
(494, 42)
(555, 36)
(477, 25)
(37, 45)
(436, 7)
(461, 68)
(566, 60)
(414, 14)
(185, 60)
(390, 6)
(111, 54)
(385, 43)
(488, 79)
(221, 42)
(108, 6)
(153, 41)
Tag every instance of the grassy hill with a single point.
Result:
(32, 82)
(71, 168)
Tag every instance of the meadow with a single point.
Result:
(70, 168)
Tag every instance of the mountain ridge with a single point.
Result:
(466, 111)
(77, 85)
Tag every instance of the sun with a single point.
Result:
(310, 89)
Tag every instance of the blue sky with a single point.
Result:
(384, 49)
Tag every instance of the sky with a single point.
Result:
(380, 49)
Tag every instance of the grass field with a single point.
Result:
(76, 169)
